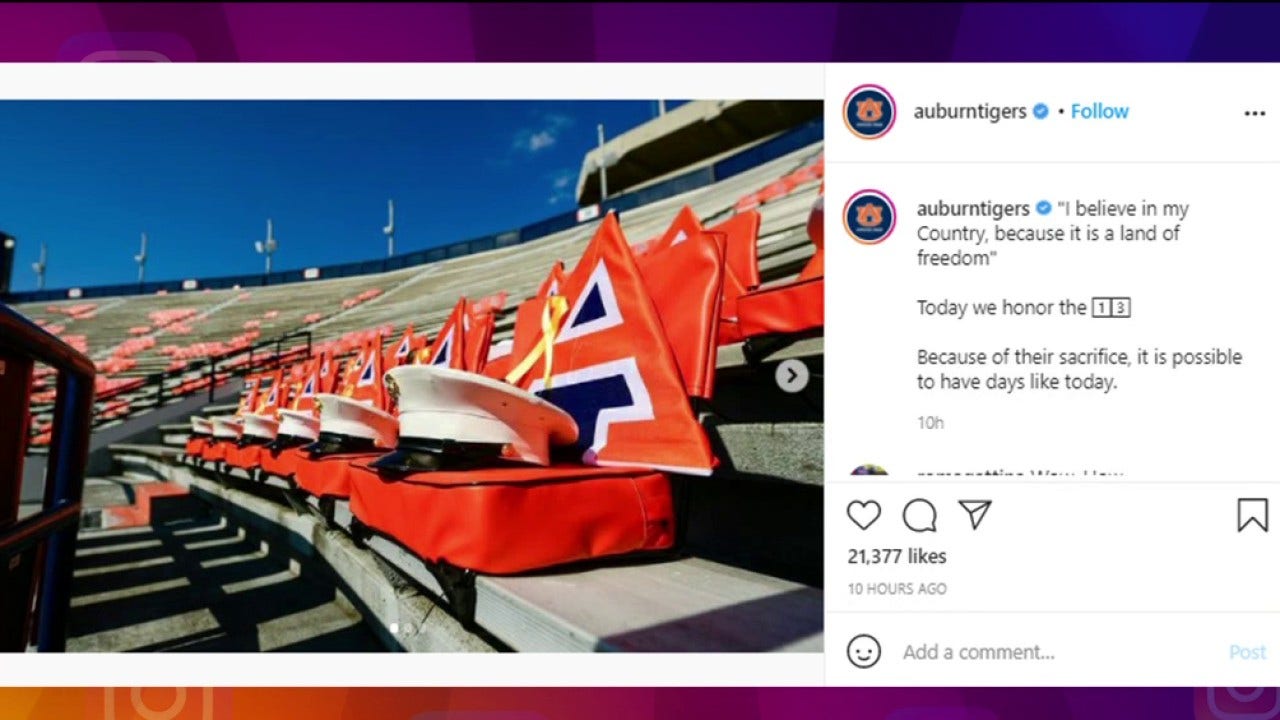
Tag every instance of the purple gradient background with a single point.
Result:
(643, 32)
(774, 32)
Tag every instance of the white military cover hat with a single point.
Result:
(299, 423)
(441, 403)
(344, 416)
(226, 427)
(201, 425)
(261, 426)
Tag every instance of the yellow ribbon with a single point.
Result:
(552, 315)
(349, 382)
(244, 401)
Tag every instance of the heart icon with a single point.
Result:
(863, 513)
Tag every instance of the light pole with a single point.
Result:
(268, 246)
(390, 229)
(40, 266)
(141, 259)
(604, 160)
(604, 183)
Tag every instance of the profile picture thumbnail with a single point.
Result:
(869, 217)
(869, 469)
(869, 112)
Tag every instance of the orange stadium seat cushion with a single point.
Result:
(742, 254)
(243, 456)
(510, 520)
(739, 238)
(330, 475)
(325, 475)
(195, 446)
(792, 308)
(282, 463)
(216, 450)
(685, 279)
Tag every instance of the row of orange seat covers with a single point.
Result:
(670, 306)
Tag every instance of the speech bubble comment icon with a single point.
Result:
(920, 516)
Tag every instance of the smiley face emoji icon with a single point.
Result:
(864, 651)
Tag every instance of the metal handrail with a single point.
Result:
(276, 359)
(159, 379)
(54, 528)
(17, 332)
(24, 343)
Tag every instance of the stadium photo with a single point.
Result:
(425, 376)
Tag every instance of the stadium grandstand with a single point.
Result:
(180, 549)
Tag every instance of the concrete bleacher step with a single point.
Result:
(201, 583)
(223, 409)
(680, 605)
(134, 495)
(663, 604)
(175, 434)
(782, 451)
(101, 492)
(734, 355)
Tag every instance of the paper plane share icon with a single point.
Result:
(977, 510)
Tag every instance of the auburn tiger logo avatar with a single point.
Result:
(870, 110)
(870, 214)
(869, 217)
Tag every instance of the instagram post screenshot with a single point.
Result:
(477, 361)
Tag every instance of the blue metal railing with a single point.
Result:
(38, 552)
(754, 156)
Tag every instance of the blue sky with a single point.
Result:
(201, 179)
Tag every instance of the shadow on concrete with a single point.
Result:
(204, 584)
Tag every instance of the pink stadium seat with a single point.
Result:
(490, 304)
